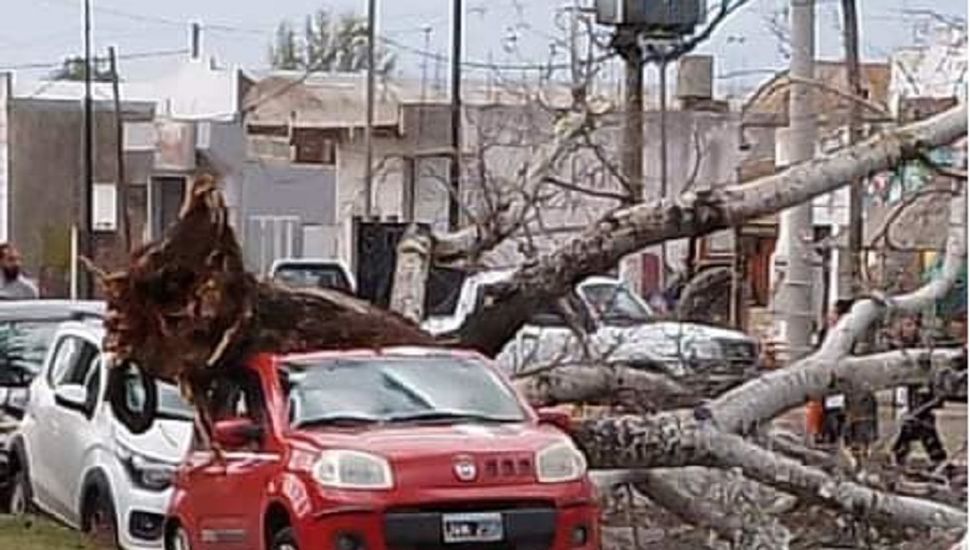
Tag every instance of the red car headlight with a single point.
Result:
(559, 463)
(346, 469)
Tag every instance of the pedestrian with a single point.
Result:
(833, 406)
(13, 284)
(919, 420)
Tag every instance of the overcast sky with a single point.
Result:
(44, 31)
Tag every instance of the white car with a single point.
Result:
(313, 273)
(72, 458)
(620, 327)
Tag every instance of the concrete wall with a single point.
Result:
(510, 138)
(46, 174)
(295, 197)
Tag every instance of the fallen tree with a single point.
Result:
(186, 309)
(630, 229)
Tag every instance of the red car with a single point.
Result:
(402, 449)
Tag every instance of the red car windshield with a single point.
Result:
(399, 389)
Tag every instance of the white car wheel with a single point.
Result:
(19, 502)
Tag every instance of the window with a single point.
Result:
(307, 275)
(23, 348)
(236, 396)
(312, 146)
(93, 383)
(616, 304)
(398, 389)
(72, 361)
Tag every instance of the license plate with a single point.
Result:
(472, 527)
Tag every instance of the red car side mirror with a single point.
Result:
(556, 417)
(236, 432)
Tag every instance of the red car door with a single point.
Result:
(227, 497)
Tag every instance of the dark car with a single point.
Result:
(26, 330)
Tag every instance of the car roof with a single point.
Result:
(52, 310)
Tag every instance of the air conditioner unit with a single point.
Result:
(663, 16)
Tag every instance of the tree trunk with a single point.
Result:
(411, 273)
(633, 228)
(605, 384)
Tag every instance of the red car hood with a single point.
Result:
(427, 456)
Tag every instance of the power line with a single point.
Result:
(130, 56)
(486, 65)
(162, 20)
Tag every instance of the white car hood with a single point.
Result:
(657, 341)
(165, 441)
(665, 342)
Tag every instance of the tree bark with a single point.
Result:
(411, 273)
(633, 228)
(812, 484)
(731, 520)
(601, 384)
(683, 437)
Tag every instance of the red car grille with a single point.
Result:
(507, 468)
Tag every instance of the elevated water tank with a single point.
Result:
(677, 17)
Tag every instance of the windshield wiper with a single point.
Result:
(452, 416)
(339, 420)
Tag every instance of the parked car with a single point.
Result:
(399, 448)
(619, 326)
(71, 458)
(313, 273)
(26, 331)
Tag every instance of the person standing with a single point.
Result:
(13, 284)
(919, 421)
(833, 406)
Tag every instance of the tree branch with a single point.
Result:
(631, 229)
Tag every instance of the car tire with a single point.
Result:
(18, 499)
(99, 520)
(285, 539)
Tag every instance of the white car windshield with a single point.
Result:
(399, 389)
(312, 276)
(615, 304)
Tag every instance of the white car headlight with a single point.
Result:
(345, 469)
(560, 462)
(705, 349)
(145, 472)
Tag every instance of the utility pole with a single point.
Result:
(455, 167)
(87, 210)
(369, 130)
(424, 62)
(628, 46)
(850, 28)
(796, 223)
(122, 185)
(663, 164)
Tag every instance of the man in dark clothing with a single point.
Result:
(919, 423)
(833, 407)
